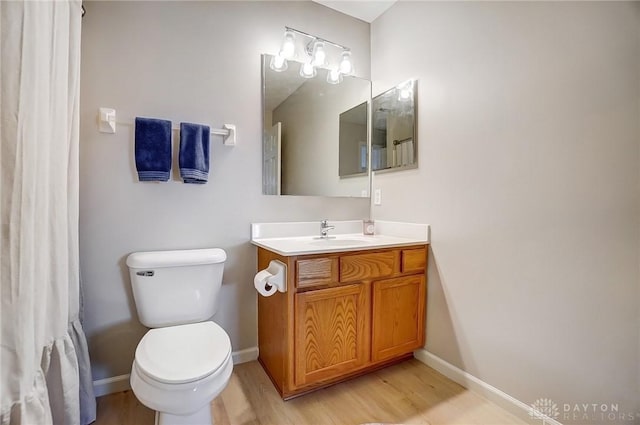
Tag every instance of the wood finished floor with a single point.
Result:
(407, 393)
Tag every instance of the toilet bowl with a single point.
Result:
(179, 370)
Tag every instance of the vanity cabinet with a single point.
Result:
(343, 314)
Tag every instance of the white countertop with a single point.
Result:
(302, 238)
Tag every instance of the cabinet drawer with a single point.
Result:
(414, 260)
(367, 266)
(316, 272)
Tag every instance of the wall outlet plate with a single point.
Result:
(377, 197)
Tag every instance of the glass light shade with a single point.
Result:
(307, 70)
(346, 66)
(288, 49)
(319, 55)
(334, 76)
(278, 63)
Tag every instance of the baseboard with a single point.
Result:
(511, 404)
(116, 384)
(244, 356)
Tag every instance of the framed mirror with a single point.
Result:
(393, 133)
(301, 133)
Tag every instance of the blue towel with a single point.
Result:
(153, 149)
(194, 152)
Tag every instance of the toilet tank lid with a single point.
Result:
(187, 257)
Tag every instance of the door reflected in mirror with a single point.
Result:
(301, 134)
(393, 139)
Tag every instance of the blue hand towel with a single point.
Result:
(194, 152)
(153, 149)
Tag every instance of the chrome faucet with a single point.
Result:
(324, 228)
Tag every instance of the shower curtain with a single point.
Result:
(44, 363)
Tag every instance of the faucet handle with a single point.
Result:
(324, 228)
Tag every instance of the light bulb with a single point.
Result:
(319, 55)
(346, 66)
(307, 70)
(334, 76)
(288, 48)
(278, 63)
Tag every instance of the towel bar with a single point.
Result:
(107, 124)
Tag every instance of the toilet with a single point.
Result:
(184, 361)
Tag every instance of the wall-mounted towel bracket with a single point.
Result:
(228, 133)
(107, 124)
(229, 139)
(106, 120)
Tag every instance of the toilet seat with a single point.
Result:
(183, 353)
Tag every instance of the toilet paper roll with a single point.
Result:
(260, 282)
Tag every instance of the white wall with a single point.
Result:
(198, 62)
(529, 153)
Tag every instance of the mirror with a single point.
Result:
(352, 142)
(302, 121)
(393, 134)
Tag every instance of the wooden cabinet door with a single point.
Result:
(398, 316)
(332, 332)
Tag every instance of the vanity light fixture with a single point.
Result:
(314, 55)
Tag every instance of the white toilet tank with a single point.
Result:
(176, 287)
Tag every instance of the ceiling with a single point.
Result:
(366, 10)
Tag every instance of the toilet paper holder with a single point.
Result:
(279, 271)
